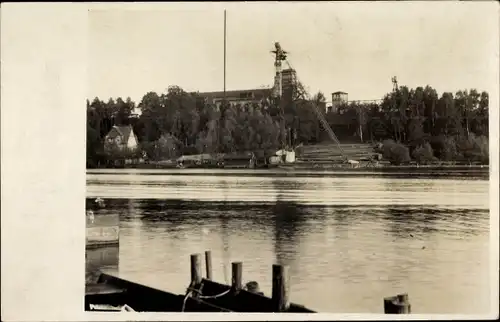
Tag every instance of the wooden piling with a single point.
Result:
(237, 273)
(196, 274)
(208, 264)
(397, 304)
(281, 287)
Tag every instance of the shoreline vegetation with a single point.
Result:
(411, 129)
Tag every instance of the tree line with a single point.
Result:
(414, 124)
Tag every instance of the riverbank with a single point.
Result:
(435, 170)
(301, 170)
(306, 165)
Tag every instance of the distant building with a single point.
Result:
(338, 99)
(238, 97)
(122, 137)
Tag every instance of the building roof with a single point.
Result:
(339, 92)
(258, 93)
(123, 130)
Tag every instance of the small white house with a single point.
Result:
(123, 137)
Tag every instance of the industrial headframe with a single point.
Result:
(298, 91)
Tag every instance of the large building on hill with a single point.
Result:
(237, 97)
(249, 96)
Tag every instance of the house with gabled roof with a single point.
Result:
(122, 137)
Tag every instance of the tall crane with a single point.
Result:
(279, 56)
(301, 93)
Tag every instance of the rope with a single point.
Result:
(192, 290)
(214, 296)
(201, 296)
(185, 299)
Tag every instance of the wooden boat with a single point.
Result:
(112, 293)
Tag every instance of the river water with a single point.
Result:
(349, 241)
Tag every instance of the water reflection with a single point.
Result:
(288, 222)
(224, 225)
(323, 191)
(338, 236)
(404, 222)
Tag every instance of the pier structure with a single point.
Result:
(203, 294)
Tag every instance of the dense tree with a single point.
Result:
(424, 154)
(412, 122)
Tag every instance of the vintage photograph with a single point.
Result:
(288, 157)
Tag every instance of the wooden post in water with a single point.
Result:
(397, 304)
(281, 287)
(237, 273)
(208, 264)
(196, 274)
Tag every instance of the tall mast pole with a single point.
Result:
(224, 86)
(224, 56)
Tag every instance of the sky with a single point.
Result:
(352, 47)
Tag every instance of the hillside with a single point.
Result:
(331, 153)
